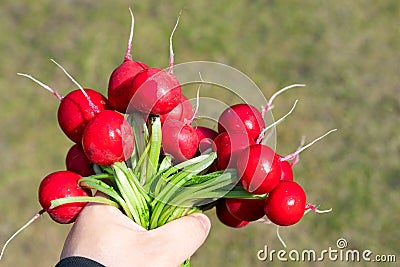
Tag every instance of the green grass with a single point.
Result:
(345, 51)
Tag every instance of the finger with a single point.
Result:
(97, 224)
(182, 237)
(103, 214)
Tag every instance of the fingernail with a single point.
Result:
(204, 220)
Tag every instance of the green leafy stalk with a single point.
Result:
(188, 196)
(207, 189)
(134, 181)
(106, 189)
(68, 200)
(140, 163)
(160, 201)
(101, 176)
(173, 213)
(239, 192)
(195, 165)
(134, 199)
(140, 133)
(165, 164)
(190, 167)
(155, 148)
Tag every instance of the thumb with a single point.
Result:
(182, 237)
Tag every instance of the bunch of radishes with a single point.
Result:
(261, 171)
(139, 146)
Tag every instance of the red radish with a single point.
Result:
(93, 99)
(229, 145)
(259, 169)
(286, 204)
(179, 140)
(76, 109)
(120, 83)
(121, 78)
(155, 91)
(242, 117)
(287, 172)
(245, 209)
(75, 112)
(182, 112)
(206, 137)
(57, 185)
(77, 161)
(226, 217)
(108, 138)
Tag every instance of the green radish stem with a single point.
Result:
(194, 168)
(178, 213)
(67, 200)
(239, 192)
(140, 131)
(135, 183)
(205, 189)
(139, 163)
(159, 203)
(165, 164)
(155, 148)
(172, 213)
(171, 197)
(106, 189)
(194, 165)
(130, 192)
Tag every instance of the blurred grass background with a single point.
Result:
(347, 52)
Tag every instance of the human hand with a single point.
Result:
(102, 233)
